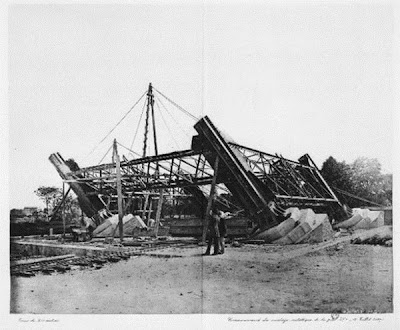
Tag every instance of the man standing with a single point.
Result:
(222, 231)
(213, 233)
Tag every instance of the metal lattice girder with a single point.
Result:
(176, 169)
(291, 182)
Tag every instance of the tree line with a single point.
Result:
(359, 182)
(52, 197)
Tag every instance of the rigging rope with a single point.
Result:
(116, 125)
(134, 152)
(356, 197)
(177, 105)
(165, 123)
(173, 118)
(105, 154)
(137, 128)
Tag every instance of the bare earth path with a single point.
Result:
(250, 279)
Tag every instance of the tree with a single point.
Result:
(388, 189)
(337, 174)
(51, 196)
(362, 178)
(369, 182)
(72, 210)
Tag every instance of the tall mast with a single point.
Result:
(154, 120)
(146, 126)
(150, 106)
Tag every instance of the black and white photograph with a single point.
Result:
(199, 164)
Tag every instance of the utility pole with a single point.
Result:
(158, 214)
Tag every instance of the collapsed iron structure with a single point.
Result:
(260, 184)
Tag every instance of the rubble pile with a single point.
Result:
(379, 236)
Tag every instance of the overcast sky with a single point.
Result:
(292, 79)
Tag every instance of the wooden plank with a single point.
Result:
(36, 260)
(149, 211)
(197, 232)
(158, 214)
(233, 222)
(199, 229)
(200, 226)
(146, 200)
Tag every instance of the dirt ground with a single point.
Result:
(343, 278)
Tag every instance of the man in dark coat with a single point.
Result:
(222, 231)
(213, 233)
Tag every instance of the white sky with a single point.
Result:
(292, 79)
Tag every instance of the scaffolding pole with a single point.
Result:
(119, 192)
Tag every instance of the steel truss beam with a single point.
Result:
(291, 182)
(175, 170)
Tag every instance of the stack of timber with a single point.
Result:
(193, 227)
